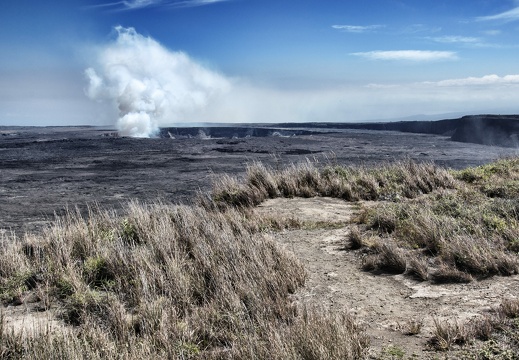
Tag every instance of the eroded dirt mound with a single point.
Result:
(385, 304)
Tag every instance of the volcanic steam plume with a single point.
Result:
(151, 85)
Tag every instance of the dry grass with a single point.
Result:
(354, 240)
(432, 224)
(509, 308)
(446, 334)
(417, 268)
(449, 274)
(497, 333)
(405, 179)
(388, 258)
(167, 282)
(462, 232)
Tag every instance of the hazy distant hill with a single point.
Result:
(497, 130)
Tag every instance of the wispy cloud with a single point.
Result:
(408, 55)
(190, 3)
(136, 4)
(492, 32)
(464, 40)
(454, 39)
(357, 28)
(478, 81)
(420, 28)
(509, 15)
(141, 4)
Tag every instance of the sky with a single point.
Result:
(140, 64)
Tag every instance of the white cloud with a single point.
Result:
(357, 28)
(492, 32)
(452, 39)
(478, 81)
(408, 55)
(141, 4)
(509, 15)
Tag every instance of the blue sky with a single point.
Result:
(304, 60)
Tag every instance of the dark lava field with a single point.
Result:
(45, 170)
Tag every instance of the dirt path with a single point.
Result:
(383, 304)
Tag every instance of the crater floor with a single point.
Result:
(45, 170)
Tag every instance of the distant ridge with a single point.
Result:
(494, 130)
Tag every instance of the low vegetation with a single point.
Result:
(206, 282)
(428, 223)
(455, 234)
(166, 282)
(433, 224)
(392, 182)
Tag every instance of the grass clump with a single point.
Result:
(411, 327)
(499, 179)
(417, 268)
(388, 258)
(405, 179)
(492, 336)
(509, 308)
(446, 334)
(13, 287)
(449, 274)
(354, 240)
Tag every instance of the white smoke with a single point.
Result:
(151, 85)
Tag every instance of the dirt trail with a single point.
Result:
(381, 303)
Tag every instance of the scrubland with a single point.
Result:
(206, 281)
